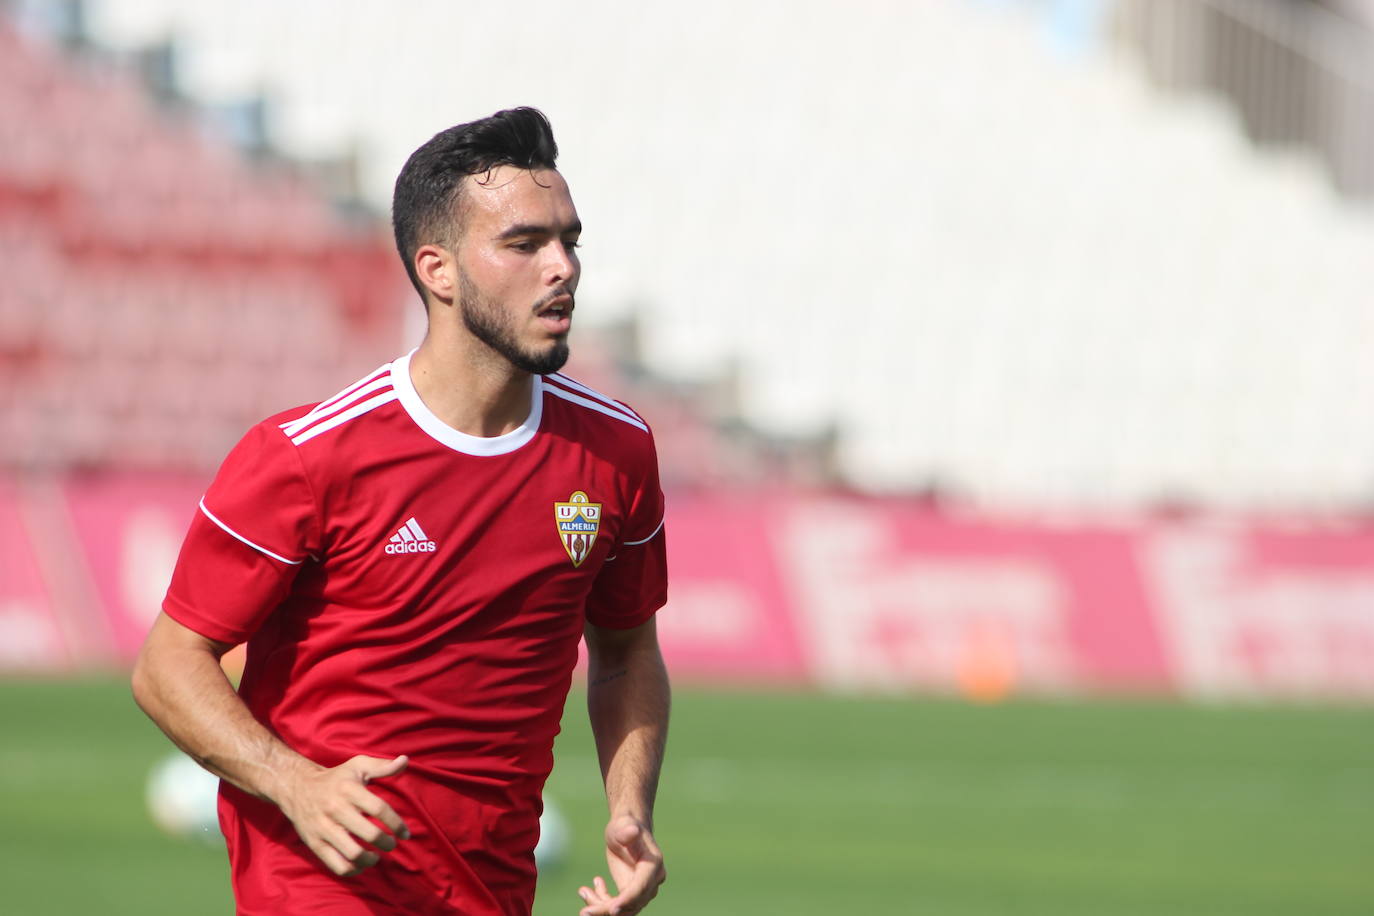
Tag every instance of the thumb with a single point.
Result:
(370, 768)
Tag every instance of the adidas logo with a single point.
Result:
(411, 539)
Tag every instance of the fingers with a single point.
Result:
(331, 857)
(636, 865)
(598, 899)
(634, 895)
(333, 813)
(357, 856)
(339, 851)
(367, 831)
(636, 892)
(373, 806)
(368, 769)
(337, 836)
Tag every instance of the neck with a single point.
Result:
(470, 388)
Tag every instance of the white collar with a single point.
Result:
(460, 441)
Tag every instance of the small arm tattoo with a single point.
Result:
(607, 678)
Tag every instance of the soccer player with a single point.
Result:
(412, 562)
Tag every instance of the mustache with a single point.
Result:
(561, 293)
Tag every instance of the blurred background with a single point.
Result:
(1010, 364)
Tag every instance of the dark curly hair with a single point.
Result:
(426, 206)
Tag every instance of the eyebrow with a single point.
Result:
(533, 229)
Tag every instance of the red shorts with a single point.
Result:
(463, 857)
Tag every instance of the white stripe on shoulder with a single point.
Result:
(384, 369)
(644, 540)
(575, 385)
(592, 405)
(357, 410)
(638, 543)
(258, 547)
(329, 408)
(329, 401)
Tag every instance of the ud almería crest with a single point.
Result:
(578, 521)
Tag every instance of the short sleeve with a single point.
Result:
(254, 528)
(633, 582)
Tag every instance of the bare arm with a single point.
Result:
(628, 699)
(178, 682)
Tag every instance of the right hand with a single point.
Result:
(332, 811)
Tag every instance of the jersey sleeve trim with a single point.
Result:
(593, 393)
(326, 409)
(340, 419)
(644, 540)
(594, 405)
(258, 547)
(639, 543)
(336, 401)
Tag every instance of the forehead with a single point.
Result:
(508, 196)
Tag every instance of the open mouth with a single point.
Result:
(557, 314)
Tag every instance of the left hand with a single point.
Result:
(636, 865)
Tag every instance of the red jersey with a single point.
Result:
(405, 588)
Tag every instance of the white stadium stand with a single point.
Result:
(989, 263)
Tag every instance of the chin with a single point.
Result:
(551, 359)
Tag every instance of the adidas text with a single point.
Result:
(411, 547)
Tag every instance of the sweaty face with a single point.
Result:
(517, 265)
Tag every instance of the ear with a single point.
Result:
(438, 272)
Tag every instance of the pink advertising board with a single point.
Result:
(728, 616)
(1264, 610)
(838, 592)
(894, 596)
(128, 530)
(31, 634)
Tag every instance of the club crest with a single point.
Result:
(578, 521)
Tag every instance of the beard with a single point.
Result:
(492, 325)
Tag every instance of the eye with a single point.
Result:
(571, 244)
(525, 246)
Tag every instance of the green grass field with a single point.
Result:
(801, 804)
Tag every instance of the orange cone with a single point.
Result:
(987, 668)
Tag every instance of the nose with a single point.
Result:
(562, 267)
